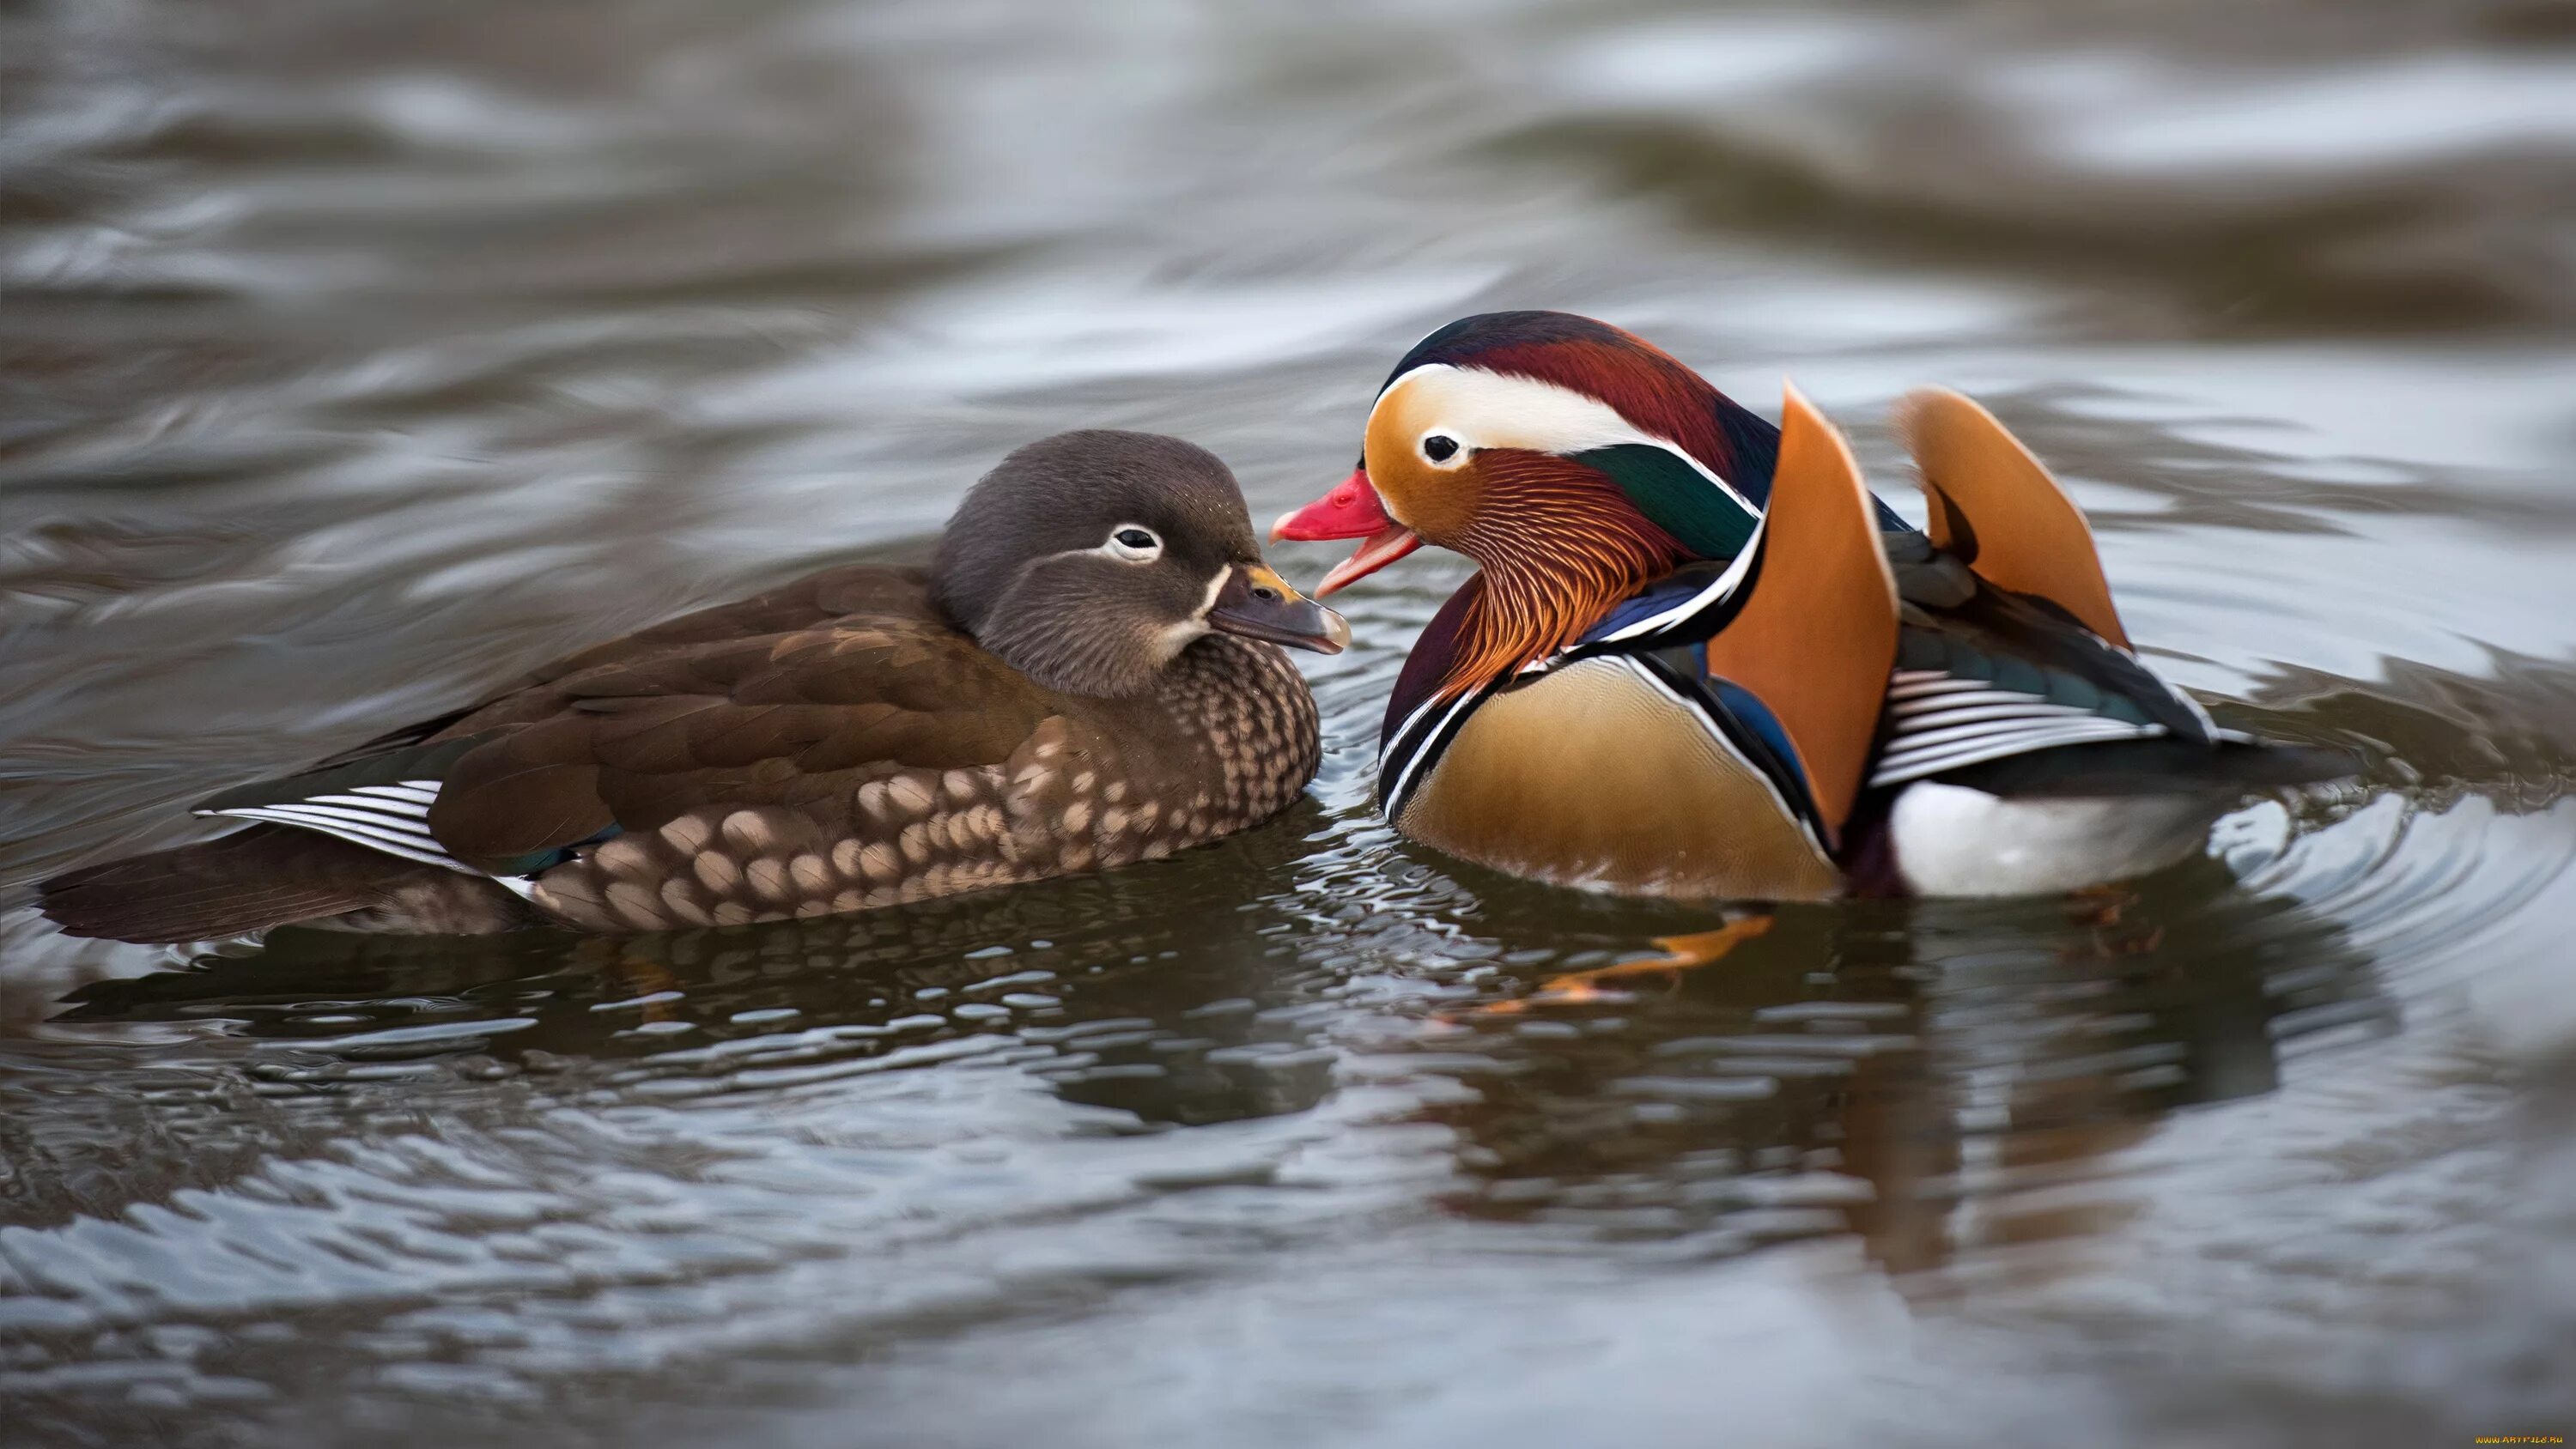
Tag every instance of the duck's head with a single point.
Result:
(1090, 560)
(1545, 445)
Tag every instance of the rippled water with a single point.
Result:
(353, 358)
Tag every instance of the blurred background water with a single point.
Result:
(356, 356)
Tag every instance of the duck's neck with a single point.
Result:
(1560, 546)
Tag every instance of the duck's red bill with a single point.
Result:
(1351, 510)
(1376, 553)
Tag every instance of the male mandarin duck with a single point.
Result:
(1085, 676)
(1638, 644)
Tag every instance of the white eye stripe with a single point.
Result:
(1479, 409)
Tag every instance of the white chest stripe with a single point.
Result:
(1725, 584)
(1424, 747)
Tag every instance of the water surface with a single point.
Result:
(354, 358)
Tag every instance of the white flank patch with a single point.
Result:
(1954, 841)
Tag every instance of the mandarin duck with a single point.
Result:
(1568, 714)
(1086, 675)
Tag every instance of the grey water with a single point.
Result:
(355, 357)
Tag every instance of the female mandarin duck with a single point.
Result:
(1640, 648)
(1085, 676)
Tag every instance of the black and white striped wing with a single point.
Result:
(1940, 722)
(393, 818)
(381, 802)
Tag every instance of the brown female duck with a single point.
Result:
(1087, 675)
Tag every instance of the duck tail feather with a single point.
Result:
(233, 885)
(2131, 768)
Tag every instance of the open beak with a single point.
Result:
(1258, 604)
(1351, 510)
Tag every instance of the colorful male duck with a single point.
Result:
(1579, 711)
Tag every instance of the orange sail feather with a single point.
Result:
(1816, 635)
(1995, 507)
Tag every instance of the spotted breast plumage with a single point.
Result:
(1088, 675)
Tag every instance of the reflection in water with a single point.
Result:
(353, 361)
(1081, 972)
(1919, 1074)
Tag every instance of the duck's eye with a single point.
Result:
(1134, 543)
(1440, 447)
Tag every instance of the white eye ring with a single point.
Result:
(1133, 542)
(1441, 449)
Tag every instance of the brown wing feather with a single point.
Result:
(1996, 507)
(647, 728)
(1816, 636)
(808, 602)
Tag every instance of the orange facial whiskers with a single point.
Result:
(1559, 546)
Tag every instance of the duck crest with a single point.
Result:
(1647, 385)
(1656, 392)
